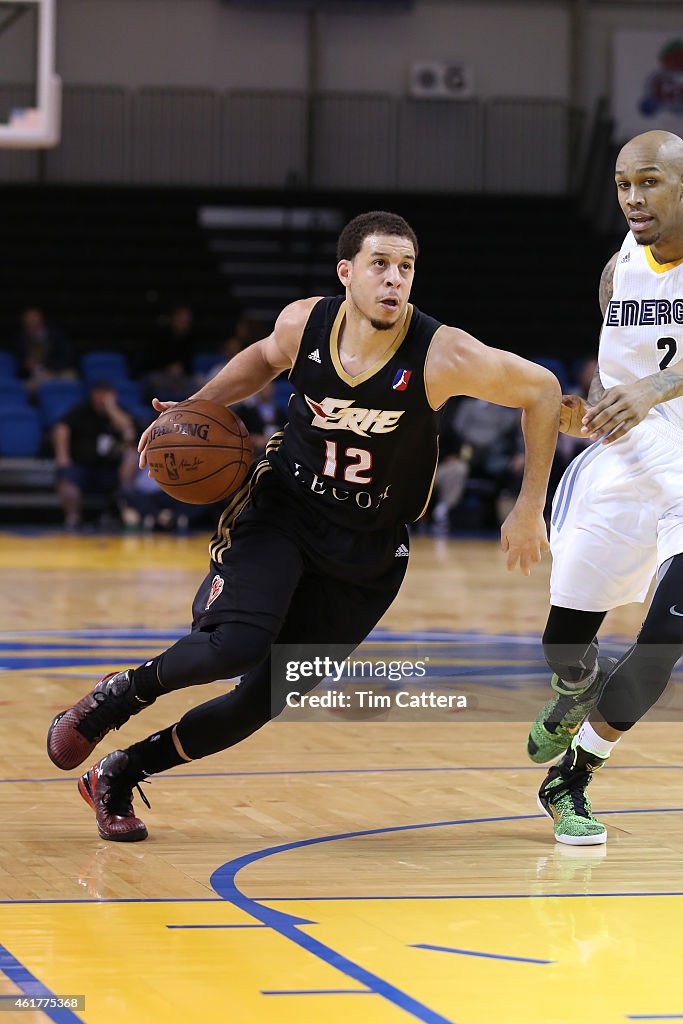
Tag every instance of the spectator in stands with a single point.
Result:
(482, 441)
(249, 329)
(94, 447)
(262, 416)
(166, 364)
(42, 350)
(143, 505)
(228, 350)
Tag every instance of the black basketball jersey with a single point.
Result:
(365, 448)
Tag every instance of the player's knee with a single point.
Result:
(635, 686)
(571, 662)
(666, 633)
(236, 648)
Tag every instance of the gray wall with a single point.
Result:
(201, 92)
(515, 50)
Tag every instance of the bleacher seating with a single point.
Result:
(283, 390)
(12, 391)
(8, 365)
(104, 365)
(21, 432)
(107, 263)
(129, 396)
(558, 367)
(204, 362)
(56, 397)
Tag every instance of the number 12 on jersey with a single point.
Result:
(357, 463)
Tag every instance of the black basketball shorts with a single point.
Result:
(282, 564)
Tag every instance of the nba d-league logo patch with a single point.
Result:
(401, 380)
(217, 584)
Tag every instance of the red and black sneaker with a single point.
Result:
(108, 790)
(74, 733)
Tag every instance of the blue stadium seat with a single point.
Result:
(56, 397)
(283, 389)
(204, 362)
(129, 395)
(128, 391)
(21, 432)
(555, 366)
(104, 365)
(8, 366)
(12, 391)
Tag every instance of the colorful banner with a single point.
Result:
(647, 82)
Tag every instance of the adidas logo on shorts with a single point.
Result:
(401, 551)
(314, 355)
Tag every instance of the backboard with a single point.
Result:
(30, 91)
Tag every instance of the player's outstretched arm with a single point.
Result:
(458, 364)
(251, 369)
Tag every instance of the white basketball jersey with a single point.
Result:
(642, 332)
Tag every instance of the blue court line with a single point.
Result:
(225, 885)
(219, 925)
(24, 646)
(381, 635)
(363, 771)
(338, 899)
(65, 661)
(487, 956)
(317, 992)
(30, 986)
(95, 634)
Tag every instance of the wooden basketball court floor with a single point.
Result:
(329, 870)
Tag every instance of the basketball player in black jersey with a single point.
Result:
(314, 547)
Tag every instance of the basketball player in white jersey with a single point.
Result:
(618, 513)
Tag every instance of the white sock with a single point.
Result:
(588, 738)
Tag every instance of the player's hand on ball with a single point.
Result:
(144, 439)
(524, 536)
(571, 415)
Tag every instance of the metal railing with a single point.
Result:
(349, 141)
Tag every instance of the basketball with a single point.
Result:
(199, 451)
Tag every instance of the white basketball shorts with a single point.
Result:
(617, 516)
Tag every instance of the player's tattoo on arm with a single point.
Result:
(596, 390)
(667, 384)
(607, 283)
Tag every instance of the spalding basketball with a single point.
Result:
(199, 451)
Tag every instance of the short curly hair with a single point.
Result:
(379, 222)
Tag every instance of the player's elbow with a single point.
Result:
(543, 389)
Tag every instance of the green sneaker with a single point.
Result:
(559, 719)
(562, 797)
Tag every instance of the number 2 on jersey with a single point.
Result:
(362, 462)
(671, 346)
